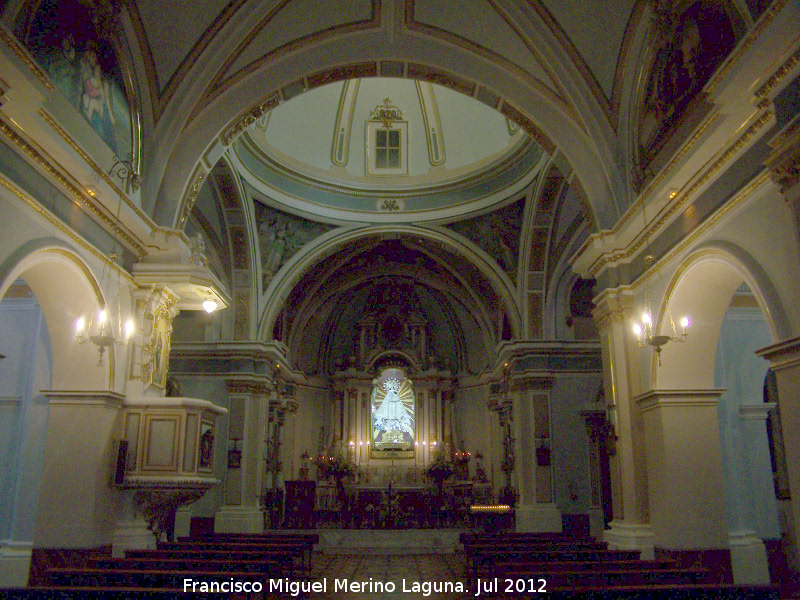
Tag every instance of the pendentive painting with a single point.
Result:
(62, 37)
(690, 40)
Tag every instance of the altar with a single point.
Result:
(415, 506)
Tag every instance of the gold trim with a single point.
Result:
(749, 39)
(699, 182)
(429, 93)
(764, 91)
(634, 208)
(62, 227)
(239, 124)
(220, 84)
(46, 162)
(191, 194)
(346, 124)
(23, 55)
(66, 137)
(713, 219)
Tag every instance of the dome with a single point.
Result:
(385, 149)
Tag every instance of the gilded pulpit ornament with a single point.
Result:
(387, 113)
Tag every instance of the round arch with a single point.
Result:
(702, 287)
(333, 241)
(65, 288)
(179, 162)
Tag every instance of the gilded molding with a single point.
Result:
(46, 163)
(522, 382)
(726, 156)
(23, 55)
(765, 90)
(340, 149)
(744, 45)
(713, 219)
(248, 387)
(95, 167)
(250, 117)
(53, 220)
(220, 83)
(191, 196)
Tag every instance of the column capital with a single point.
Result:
(246, 386)
(783, 355)
(613, 305)
(521, 382)
(655, 399)
(784, 161)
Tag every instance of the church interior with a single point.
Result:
(393, 269)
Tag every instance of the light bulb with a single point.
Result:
(209, 305)
(79, 325)
(685, 322)
(128, 328)
(646, 318)
(637, 330)
(101, 316)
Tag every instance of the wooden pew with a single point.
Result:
(302, 550)
(704, 591)
(280, 567)
(139, 578)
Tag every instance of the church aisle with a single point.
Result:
(422, 575)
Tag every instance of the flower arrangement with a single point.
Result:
(440, 468)
(336, 467)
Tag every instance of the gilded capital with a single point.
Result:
(613, 305)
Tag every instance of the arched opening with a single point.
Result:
(729, 323)
(42, 296)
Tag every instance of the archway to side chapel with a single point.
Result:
(705, 419)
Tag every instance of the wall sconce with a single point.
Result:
(234, 455)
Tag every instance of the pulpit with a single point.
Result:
(299, 505)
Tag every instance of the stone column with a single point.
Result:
(241, 512)
(630, 528)
(685, 477)
(536, 510)
(785, 363)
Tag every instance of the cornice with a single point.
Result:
(26, 59)
(85, 398)
(600, 251)
(783, 355)
(46, 163)
(660, 399)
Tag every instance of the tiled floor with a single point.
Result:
(388, 577)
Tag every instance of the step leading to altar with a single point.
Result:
(388, 541)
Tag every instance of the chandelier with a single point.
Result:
(103, 330)
(644, 330)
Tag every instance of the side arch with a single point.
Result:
(66, 288)
(702, 287)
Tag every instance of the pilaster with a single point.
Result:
(685, 477)
(785, 363)
(77, 506)
(536, 510)
(241, 512)
(630, 529)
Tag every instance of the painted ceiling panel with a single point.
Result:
(596, 30)
(299, 19)
(169, 49)
(479, 23)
